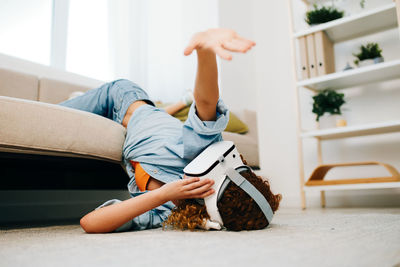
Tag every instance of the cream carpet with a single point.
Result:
(319, 237)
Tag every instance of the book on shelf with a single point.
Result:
(312, 60)
(305, 74)
(325, 59)
(316, 55)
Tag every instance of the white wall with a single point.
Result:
(268, 78)
(237, 77)
(272, 85)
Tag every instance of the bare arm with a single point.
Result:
(208, 44)
(109, 218)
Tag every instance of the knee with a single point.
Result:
(124, 83)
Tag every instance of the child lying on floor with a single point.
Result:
(158, 147)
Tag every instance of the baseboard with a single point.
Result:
(52, 205)
(346, 199)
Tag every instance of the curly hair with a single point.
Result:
(237, 209)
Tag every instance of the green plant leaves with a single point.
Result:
(323, 14)
(369, 51)
(327, 101)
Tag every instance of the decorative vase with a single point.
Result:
(371, 61)
(331, 121)
(340, 121)
(327, 121)
(378, 60)
(366, 62)
(348, 67)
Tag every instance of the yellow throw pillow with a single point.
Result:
(235, 125)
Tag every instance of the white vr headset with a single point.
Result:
(221, 162)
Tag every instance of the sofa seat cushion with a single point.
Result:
(246, 145)
(30, 126)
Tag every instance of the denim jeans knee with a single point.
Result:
(124, 93)
(110, 100)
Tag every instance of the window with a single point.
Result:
(141, 40)
(88, 43)
(25, 29)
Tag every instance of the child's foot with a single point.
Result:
(187, 97)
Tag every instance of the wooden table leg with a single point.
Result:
(323, 199)
(303, 199)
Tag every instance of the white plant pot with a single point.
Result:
(378, 60)
(365, 62)
(331, 121)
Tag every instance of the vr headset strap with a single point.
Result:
(252, 192)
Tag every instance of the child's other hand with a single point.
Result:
(220, 42)
(187, 188)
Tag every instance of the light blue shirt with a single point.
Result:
(164, 146)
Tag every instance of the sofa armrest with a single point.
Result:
(250, 118)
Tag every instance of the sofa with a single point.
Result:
(43, 145)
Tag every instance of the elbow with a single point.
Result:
(206, 102)
(85, 224)
(89, 226)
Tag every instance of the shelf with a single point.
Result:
(374, 73)
(353, 131)
(350, 27)
(352, 186)
(353, 26)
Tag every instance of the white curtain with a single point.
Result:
(147, 38)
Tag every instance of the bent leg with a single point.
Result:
(174, 108)
(110, 100)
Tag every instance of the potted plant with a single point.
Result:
(323, 14)
(329, 101)
(368, 55)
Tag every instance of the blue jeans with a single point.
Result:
(110, 100)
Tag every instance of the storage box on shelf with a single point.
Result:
(347, 28)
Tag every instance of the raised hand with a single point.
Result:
(219, 41)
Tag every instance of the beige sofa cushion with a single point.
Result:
(19, 85)
(53, 91)
(250, 118)
(34, 126)
(246, 145)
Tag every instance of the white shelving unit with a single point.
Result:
(368, 22)
(353, 131)
(374, 73)
(351, 27)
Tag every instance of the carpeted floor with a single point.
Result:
(330, 237)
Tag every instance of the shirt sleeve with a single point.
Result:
(198, 134)
(148, 220)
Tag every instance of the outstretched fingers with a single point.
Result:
(252, 43)
(189, 181)
(196, 183)
(222, 53)
(191, 46)
(198, 189)
(189, 49)
(204, 194)
(237, 45)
